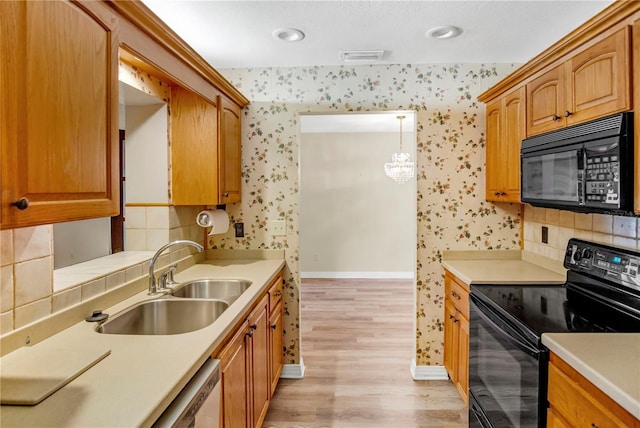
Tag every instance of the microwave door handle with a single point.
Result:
(523, 346)
(581, 182)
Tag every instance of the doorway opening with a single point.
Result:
(355, 222)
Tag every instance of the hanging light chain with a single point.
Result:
(400, 119)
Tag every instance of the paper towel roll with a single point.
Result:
(218, 220)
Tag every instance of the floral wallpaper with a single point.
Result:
(452, 213)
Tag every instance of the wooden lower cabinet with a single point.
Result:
(276, 290)
(260, 382)
(456, 333)
(574, 402)
(235, 378)
(252, 360)
(275, 346)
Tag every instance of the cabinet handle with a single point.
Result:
(253, 326)
(594, 425)
(225, 194)
(555, 117)
(503, 193)
(567, 113)
(454, 294)
(250, 334)
(451, 317)
(278, 293)
(496, 193)
(21, 204)
(274, 326)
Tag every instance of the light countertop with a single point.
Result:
(501, 267)
(611, 361)
(135, 383)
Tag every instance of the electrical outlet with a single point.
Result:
(545, 235)
(278, 227)
(239, 229)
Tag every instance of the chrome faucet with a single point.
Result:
(153, 289)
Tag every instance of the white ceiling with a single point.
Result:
(238, 33)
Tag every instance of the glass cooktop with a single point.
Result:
(554, 309)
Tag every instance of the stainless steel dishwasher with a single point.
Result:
(198, 404)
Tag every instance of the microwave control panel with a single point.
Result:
(616, 265)
(602, 179)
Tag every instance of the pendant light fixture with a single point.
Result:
(400, 168)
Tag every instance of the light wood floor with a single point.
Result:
(357, 344)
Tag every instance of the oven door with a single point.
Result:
(507, 373)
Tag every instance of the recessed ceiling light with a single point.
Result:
(288, 34)
(444, 32)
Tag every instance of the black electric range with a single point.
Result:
(507, 361)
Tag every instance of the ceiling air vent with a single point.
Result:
(361, 56)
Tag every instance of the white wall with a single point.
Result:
(79, 241)
(354, 220)
(146, 154)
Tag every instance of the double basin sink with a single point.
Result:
(189, 306)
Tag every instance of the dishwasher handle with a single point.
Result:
(184, 409)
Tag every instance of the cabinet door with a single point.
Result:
(451, 333)
(556, 421)
(506, 123)
(194, 149)
(275, 346)
(230, 152)
(59, 112)
(599, 79)
(546, 101)
(463, 358)
(234, 359)
(261, 383)
(514, 131)
(493, 151)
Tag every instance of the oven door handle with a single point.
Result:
(511, 338)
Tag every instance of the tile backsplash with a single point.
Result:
(562, 225)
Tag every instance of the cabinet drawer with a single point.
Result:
(580, 408)
(275, 292)
(457, 294)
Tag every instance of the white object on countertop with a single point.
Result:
(217, 220)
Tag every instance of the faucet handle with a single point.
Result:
(162, 282)
(169, 274)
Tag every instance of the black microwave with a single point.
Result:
(587, 167)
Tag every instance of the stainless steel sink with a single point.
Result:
(224, 289)
(164, 316)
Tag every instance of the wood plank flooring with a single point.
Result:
(357, 345)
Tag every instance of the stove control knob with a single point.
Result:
(577, 255)
(587, 253)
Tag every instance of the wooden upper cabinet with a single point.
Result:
(505, 131)
(194, 149)
(595, 82)
(230, 152)
(600, 79)
(545, 101)
(59, 112)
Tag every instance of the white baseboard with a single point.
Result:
(358, 275)
(428, 372)
(293, 371)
